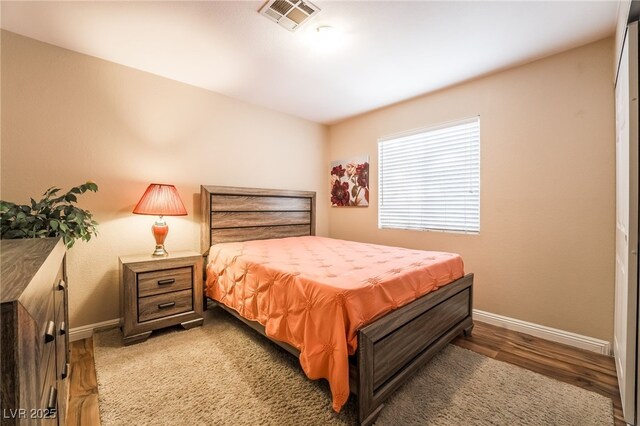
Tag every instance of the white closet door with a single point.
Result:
(626, 277)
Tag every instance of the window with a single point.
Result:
(430, 179)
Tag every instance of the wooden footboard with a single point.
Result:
(392, 348)
(395, 346)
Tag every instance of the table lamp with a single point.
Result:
(160, 200)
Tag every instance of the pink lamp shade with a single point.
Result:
(160, 200)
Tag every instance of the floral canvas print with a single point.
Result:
(350, 182)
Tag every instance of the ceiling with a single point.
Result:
(384, 52)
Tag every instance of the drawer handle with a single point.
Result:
(62, 286)
(166, 305)
(50, 333)
(63, 328)
(167, 282)
(51, 402)
(65, 371)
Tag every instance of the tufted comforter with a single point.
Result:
(315, 293)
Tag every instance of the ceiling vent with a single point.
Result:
(290, 14)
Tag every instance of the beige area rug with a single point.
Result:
(224, 373)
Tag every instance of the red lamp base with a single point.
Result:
(160, 230)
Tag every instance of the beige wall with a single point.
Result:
(68, 118)
(546, 247)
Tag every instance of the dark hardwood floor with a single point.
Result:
(581, 368)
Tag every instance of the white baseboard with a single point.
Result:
(84, 331)
(543, 332)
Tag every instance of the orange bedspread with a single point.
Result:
(315, 293)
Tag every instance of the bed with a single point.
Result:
(251, 234)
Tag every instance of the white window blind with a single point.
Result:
(430, 179)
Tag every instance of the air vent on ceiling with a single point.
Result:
(290, 14)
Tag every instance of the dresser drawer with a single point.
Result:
(48, 414)
(47, 368)
(61, 341)
(45, 343)
(163, 305)
(48, 385)
(42, 295)
(163, 281)
(48, 357)
(62, 318)
(44, 315)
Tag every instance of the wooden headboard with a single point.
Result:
(239, 214)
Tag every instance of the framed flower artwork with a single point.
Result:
(350, 182)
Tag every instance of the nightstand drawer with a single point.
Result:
(163, 305)
(163, 281)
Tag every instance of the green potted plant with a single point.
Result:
(54, 215)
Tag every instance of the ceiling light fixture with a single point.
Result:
(325, 29)
(327, 37)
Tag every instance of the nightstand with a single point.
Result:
(157, 292)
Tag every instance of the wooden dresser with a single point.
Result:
(34, 339)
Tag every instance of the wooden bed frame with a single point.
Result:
(390, 349)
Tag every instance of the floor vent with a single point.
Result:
(290, 14)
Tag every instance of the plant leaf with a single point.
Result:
(51, 216)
